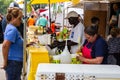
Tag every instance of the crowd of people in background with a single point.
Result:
(43, 22)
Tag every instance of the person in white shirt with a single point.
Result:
(76, 37)
(77, 33)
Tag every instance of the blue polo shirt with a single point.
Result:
(16, 47)
(99, 48)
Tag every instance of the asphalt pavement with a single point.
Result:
(2, 72)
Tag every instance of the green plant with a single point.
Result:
(4, 4)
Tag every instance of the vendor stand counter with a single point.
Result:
(36, 56)
(77, 72)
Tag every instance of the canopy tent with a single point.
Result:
(47, 2)
(53, 1)
(42, 10)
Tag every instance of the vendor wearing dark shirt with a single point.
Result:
(94, 50)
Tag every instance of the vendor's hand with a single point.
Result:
(31, 43)
(81, 58)
(79, 50)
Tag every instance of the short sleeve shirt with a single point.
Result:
(42, 22)
(16, 47)
(77, 35)
(31, 22)
(99, 49)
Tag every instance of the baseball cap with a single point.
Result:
(14, 4)
(72, 14)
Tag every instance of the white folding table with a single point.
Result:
(78, 72)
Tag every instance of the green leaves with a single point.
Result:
(4, 4)
(29, 8)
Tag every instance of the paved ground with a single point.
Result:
(2, 73)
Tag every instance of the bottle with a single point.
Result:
(39, 30)
(53, 38)
(65, 56)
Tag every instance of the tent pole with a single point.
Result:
(49, 12)
(24, 43)
(63, 14)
